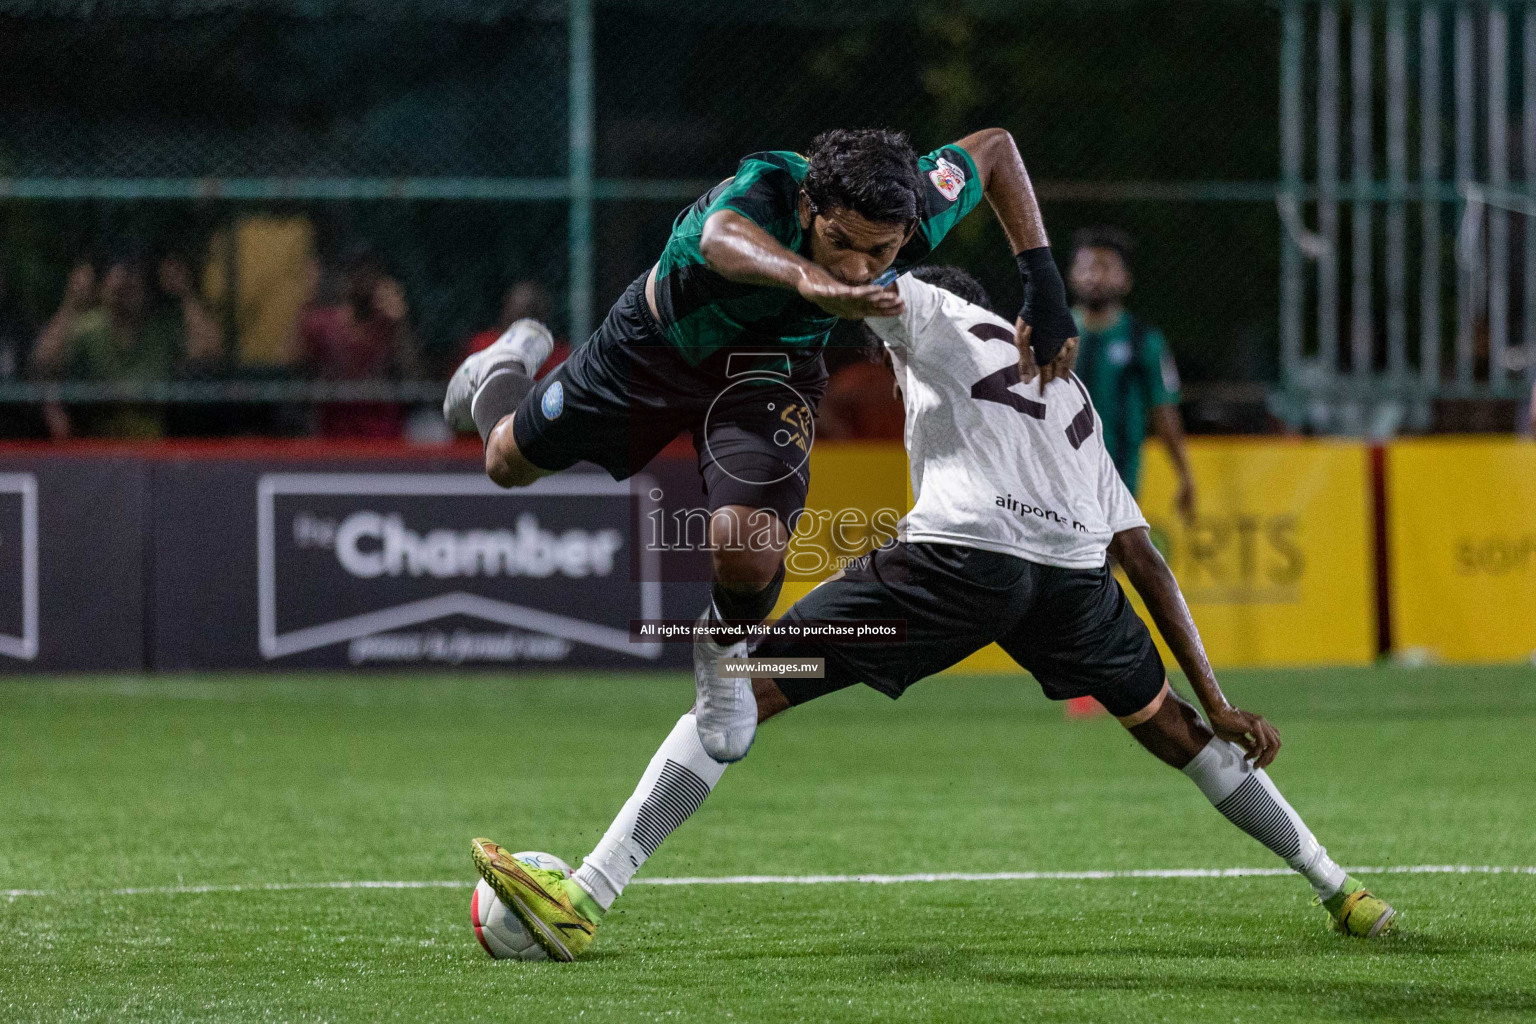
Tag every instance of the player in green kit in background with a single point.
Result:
(1125, 363)
(1126, 366)
(723, 338)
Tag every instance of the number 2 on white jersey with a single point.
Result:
(997, 387)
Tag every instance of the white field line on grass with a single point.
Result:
(945, 876)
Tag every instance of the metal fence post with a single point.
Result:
(1362, 175)
(1498, 181)
(582, 130)
(1528, 175)
(1469, 248)
(1328, 187)
(1429, 185)
(1397, 177)
(1291, 283)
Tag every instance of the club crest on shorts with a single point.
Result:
(553, 403)
(948, 179)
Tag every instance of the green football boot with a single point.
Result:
(1353, 910)
(558, 912)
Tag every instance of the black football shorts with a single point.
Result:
(1073, 629)
(627, 393)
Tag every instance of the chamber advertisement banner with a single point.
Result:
(262, 564)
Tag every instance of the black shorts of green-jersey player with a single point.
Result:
(737, 366)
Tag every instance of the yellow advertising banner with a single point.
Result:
(1461, 531)
(859, 489)
(1277, 567)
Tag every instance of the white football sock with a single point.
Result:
(530, 343)
(675, 783)
(1250, 801)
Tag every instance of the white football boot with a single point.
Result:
(724, 705)
(523, 346)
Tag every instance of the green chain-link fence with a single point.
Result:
(474, 145)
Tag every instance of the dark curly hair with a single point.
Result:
(957, 281)
(1102, 236)
(870, 171)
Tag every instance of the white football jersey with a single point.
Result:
(995, 464)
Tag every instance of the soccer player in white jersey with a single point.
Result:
(1017, 505)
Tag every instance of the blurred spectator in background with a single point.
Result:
(260, 277)
(259, 270)
(1124, 362)
(120, 331)
(523, 299)
(365, 335)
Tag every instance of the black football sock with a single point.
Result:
(498, 397)
(731, 605)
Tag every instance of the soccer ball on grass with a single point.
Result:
(499, 930)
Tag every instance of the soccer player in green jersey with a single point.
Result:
(723, 337)
(1125, 362)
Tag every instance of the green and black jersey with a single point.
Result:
(1128, 371)
(701, 312)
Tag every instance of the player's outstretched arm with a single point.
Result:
(738, 250)
(1046, 334)
(1154, 581)
(1005, 183)
(1165, 420)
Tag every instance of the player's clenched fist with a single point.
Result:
(851, 302)
(1249, 731)
(1058, 367)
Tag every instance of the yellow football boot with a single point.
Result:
(557, 911)
(1353, 910)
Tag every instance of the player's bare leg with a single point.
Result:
(1174, 732)
(504, 463)
(747, 555)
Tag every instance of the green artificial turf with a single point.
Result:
(120, 782)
